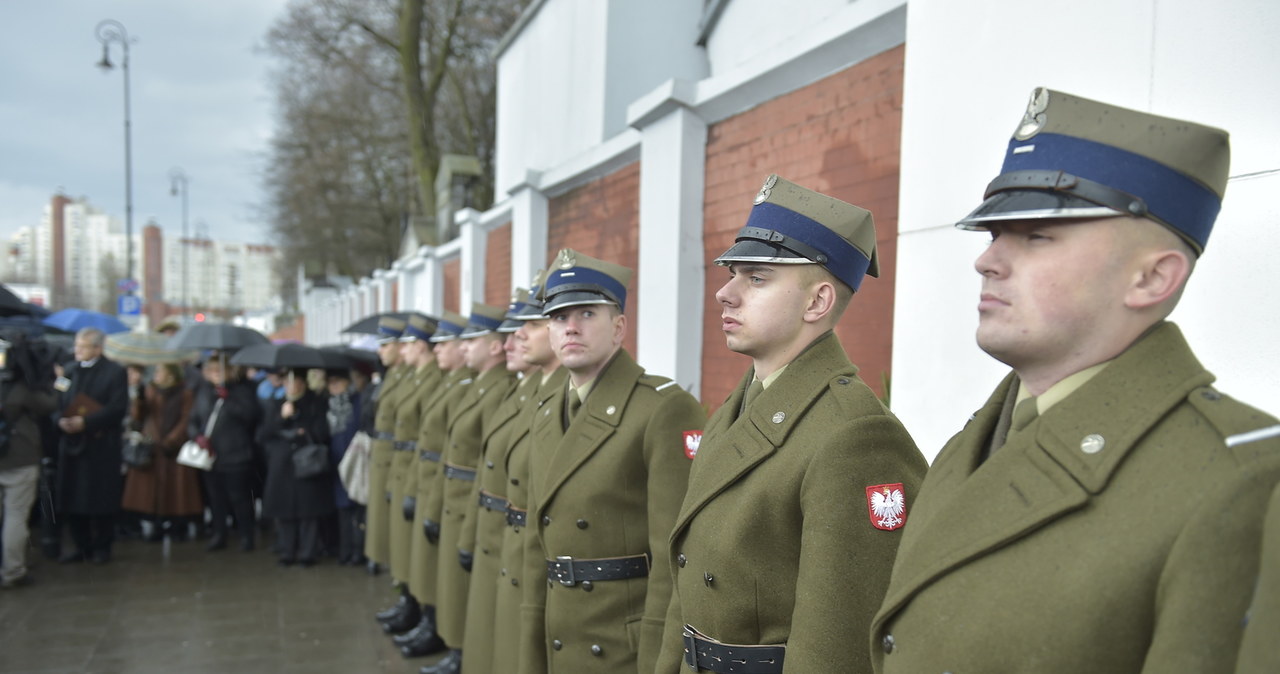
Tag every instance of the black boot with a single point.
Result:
(424, 642)
(423, 624)
(396, 609)
(449, 664)
(406, 620)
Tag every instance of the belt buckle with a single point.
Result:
(690, 650)
(567, 578)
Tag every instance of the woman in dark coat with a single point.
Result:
(228, 483)
(165, 491)
(346, 405)
(296, 503)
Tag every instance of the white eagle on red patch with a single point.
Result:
(887, 506)
(692, 440)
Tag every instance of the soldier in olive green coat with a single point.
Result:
(468, 426)
(797, 497)
(375, 542)
(1259, 653)
(1102, 512)
(613, 473)
(421, 384)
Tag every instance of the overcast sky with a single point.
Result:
(201, 100)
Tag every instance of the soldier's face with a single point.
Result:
(762, 308)
(515, 350)
(389, 353)
(1051, 290)
(475, 351)
(586, 337)
(448, 354)
(536, 337)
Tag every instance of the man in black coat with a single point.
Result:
(89, 479)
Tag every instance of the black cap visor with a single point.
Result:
(1033, 204)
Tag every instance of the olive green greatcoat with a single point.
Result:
(776, 514)
(484, 535)
(432, 436)
(1117, 532)
(470, 424)
(376, 537)
(1259, 653)
(420, 387)
(510, 589)
(611, 487)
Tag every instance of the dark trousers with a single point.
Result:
(298, 539)
(92, 533)
(229, 493)
(351, 533)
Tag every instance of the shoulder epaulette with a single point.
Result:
(656, 382)
(1237, 423)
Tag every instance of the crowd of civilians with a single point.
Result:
(67, 422)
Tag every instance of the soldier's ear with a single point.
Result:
(1158, 277)
(822, 301)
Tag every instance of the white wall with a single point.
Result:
(969, 70)
(749, 29)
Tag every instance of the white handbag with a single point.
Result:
(192, 454)
(353, 470)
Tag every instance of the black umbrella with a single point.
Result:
(280, 357)
(369, 324)
(350, 356)
(12, 305)
(220, 336)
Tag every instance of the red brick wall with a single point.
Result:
(839, 136)
(497, 268)
(395, 295)
(602, 219)
(453, 286)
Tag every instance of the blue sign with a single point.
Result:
(129, 305)
(127, 285)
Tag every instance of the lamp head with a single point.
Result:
(105, 63)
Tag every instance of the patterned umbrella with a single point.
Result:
(144, 348)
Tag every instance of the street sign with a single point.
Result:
(129, 305)
(127, 285)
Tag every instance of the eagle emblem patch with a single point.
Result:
(692, 439)
(887, 506)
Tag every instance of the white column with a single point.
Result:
(671, 275)
(430, 291)
(471, 270)
(528, 231)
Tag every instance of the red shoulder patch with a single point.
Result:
(692, 439)
(887, 506)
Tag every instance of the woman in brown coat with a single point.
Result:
(165, 492)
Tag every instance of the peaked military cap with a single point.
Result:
(575, 279)
(519, 300)
(418, 326)
(485, 318)
(389, 329)
(532, 309)
(1071, 157)
(450, 327)
(790, 224)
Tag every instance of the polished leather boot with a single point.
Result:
(391, 613)
(449, 664)
(424, 624)
(405, 621)
(424, 642)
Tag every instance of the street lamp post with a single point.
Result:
(178, 177)
(108, 31)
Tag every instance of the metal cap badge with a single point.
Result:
(576, 279)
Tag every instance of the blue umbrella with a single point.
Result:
(72, 320)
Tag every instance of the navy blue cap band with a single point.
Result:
(1170, 196)
(388, 333)
(410, 331)
(584, 279)
(844, 260)
(484, 322)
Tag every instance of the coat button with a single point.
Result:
(546, 519)
(556, 645)
(707, 578)
(515, 481)
(681, 560)
(515, 582)
(887, 643)
(502, 572)
(488, 464)
(843, 381)
(596, 650)
(587, 586)
(1092, 443)
(582, 524)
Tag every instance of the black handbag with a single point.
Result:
(138, 451)
(310, 461)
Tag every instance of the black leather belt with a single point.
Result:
(490, 502)
(569, 571)
(456, 473)
(702, 654)
(428, 455)
(517, 517)
(384, 435)
(404, 445)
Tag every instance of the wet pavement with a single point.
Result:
(162, 607)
